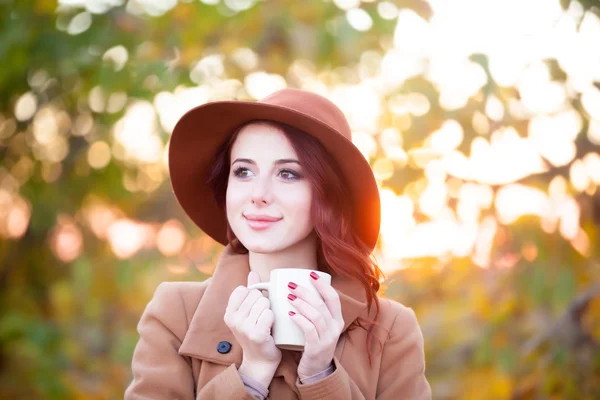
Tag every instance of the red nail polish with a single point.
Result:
(314, 275)
(291, 297)
(291, 313)
(292, 285)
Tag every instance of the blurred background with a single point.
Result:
(481, 120)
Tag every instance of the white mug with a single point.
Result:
(286, 333)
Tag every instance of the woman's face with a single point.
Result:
(268, 199)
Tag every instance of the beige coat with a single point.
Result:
(182, 326)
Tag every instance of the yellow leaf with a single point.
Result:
(487, 383)
(45, 7)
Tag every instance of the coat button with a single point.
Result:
(224, 347)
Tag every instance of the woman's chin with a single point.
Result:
(266, 241)
(262, 243)
(260, 247)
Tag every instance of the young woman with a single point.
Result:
(280, 184)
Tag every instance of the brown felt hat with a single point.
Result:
(200, 133)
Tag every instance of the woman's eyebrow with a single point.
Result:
(276, 162)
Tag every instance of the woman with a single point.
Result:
(280, 183)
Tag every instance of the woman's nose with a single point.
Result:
(261, 191)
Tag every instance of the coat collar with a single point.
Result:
(207, 327)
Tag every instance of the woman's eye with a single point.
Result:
(241, 172)
(289, 174)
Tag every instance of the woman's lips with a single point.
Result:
(259, 225)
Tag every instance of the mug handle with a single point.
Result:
(260, 286)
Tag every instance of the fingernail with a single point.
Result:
(314, 275)
(291, 313)
(291, 297)
(292, 285)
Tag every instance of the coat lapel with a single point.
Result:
(207, 327)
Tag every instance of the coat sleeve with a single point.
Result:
(402, 372)
(159, 371)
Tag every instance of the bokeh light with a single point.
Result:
(171, 238)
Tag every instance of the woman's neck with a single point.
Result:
(301, 255)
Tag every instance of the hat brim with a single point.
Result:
(201, 132)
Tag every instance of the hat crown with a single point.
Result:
(312, 105)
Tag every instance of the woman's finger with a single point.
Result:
(258, 307)
(265, 320)
(246, 306)
(312, 315)
(331, 298)
(310, 332)
(236, 298)
(314, 299)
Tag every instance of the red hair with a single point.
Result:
(340, 251)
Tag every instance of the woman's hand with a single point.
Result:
(321, 321)
(250, 319)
